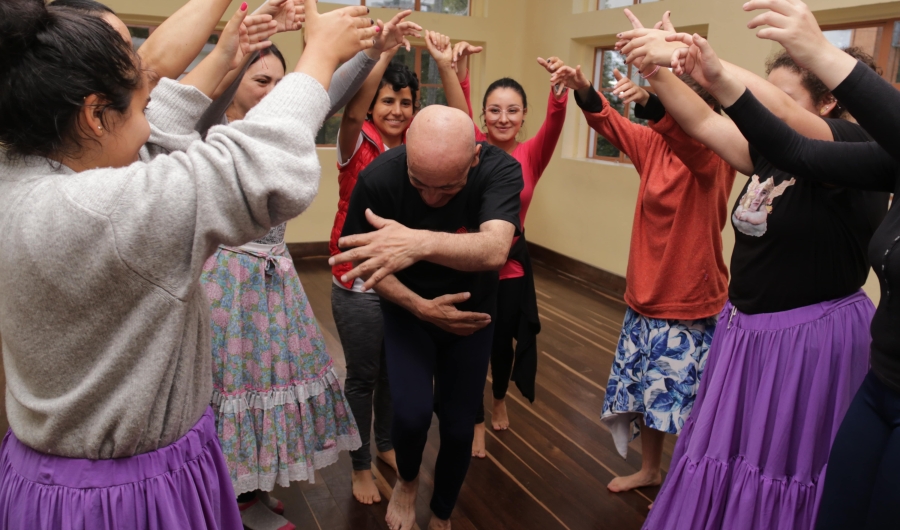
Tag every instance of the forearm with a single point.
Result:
(208, 75)
(855, 165)
(392, 290)
(178, 40)
(781, 104)
(875, 104)
(452, 89)
(481, 251)
(349, 79)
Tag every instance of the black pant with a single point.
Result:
(862, 484)
(506, 324)
(359, 325)
(428, 367)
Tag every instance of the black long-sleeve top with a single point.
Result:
(865, 166)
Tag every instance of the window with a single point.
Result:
(139, 35)
(612, 4)
(881, 40)
(449, 7)
(431, 91)
(605, 61)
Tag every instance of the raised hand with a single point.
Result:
(243, 35)
(395, 32)
(792, 25)
(628, 91)
(288, 14)
(439, 47)
(462, 50)
(552, 64)
(338, 35)
(570, 77)
(442, 312)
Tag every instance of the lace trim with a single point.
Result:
(300, 471)
(296, 393)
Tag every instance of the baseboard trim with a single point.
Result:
(607, 283)
(313, 249)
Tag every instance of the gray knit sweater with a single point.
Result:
(105, 327)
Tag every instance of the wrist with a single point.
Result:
(373, 53)
(419, 307)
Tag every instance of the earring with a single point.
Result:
(823, 111)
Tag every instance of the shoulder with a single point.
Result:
(494, 159)
(386, 168)
(847, 131)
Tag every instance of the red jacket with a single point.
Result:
(372, 146)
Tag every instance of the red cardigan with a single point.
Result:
(675, 266)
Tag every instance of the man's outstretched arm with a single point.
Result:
(441, 311)
(394, 247)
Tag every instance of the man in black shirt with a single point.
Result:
(446, 210)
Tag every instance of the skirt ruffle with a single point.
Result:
(281, 412)
(754, 451)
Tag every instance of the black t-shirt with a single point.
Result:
(491, 193)
(798, 242)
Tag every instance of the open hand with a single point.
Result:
(462, 50)
(552, 64)
(792, 25)
(390, 248)
(642, 46)
(628, 91)
(395, 32)
(244, 34)
(340, 34)
(439, 47)
(570, 77)
(288, 14)
(442, 312)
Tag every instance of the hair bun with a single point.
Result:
(21, 21)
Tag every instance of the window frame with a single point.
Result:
(418, 7)
(883, 48)
(626, 111)
(633, 2)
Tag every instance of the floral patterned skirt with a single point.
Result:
(655, 375)
(280, 410)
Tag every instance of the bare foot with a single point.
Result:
(401, 512)
(638, 480)
(438, 524)
(499, 418)
(478, 442)
(388, 457)
(364, 488)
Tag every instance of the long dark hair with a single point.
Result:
(506, 82)
(85, 6)
(399, 76)
(274, 51)
(50, 62)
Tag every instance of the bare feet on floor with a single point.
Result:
(401, 512)
(364, 488)
(478, 450)
(499, 418)
(388, 457)
(438, 524)
(638, 480)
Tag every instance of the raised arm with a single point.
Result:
(543, 144)
(440, 49)
(872, 101)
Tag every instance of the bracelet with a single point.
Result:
(648, 76)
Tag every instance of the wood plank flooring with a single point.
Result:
(548, 471)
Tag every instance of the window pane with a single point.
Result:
(406, 57)
(893, 64)
(647, 1)
(866, 39)
(345, 2)
(431, 95)
(393, 4)
(610, 61)
(611, 4)
(450, 7)
(639, 81)
(328, 133)
(138, 35)
(430, 74)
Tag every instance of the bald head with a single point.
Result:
(440, 140)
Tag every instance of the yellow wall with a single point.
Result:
(582, 208)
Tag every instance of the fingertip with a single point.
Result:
(244, 6)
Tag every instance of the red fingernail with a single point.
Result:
(244, 6)
(378, 30)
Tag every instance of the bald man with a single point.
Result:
(432, 223)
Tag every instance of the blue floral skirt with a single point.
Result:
(656, 375)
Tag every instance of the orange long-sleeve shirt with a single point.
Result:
(675, 265)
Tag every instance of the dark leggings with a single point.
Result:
(862, 484)
(509, 307)
(429, 368)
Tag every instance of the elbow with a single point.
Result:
(498, 259)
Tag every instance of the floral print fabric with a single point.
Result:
(280, 410)
(655, 375)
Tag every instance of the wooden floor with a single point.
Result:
(548, 471)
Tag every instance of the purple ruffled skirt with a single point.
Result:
(754, 451)
(179, 487)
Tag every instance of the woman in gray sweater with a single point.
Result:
(102, 241)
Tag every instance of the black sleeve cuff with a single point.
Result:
(653, 110)
(593, 103)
